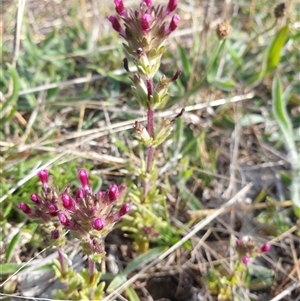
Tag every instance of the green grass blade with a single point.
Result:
(274, 54)
(11, 247)
(285, 125)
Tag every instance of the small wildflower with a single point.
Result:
(64, 219)
(123, 211)
(146, 22)
(245, 260)
(116, 25)
(25, 208)
(120, 9)
(173, 24)
(171, 6)
(148, 3)
(53, 210)
(265, 248)
(67, 201)
(35, 198)
(98, 224)
(43, 176)
(79, 195)
(113, 193)
(83, 178)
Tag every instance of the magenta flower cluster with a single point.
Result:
(147, 18)
(89, 216)
(247, 249)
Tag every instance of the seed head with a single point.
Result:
(223, 30)
(280, 10)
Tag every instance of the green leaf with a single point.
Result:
(280, 112)
(187, 68)
(285, 125)
(11, 246)
(249, 119)
(135, 264)
(10, 268)
(131, 294)
(225, 84)
(274, 53)
(10, 103)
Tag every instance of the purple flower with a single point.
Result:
(67, 201)
(171, 6)
(246, 260)
(146, 22)
(79, 195)
(43, 176)
(173, 24)
(265, 248)
(64, 219)
(124, 210)
(83, 178)
(120, 9)
(25, 208)
(52, 209)
(113, 193)
(147, 2)
(35, 198)
(98, 224)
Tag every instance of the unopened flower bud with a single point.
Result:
(43, 176)
(98, 224)
(83, 178)
(25, 208)
(223, 30)
(53, 210)
(246, 260)
(54, 234)
(147, 2)
(116, 25)
(280, 10)
(171, 6)
(101, 194)
(265, 248)
(64, 219)
(79, 195)
(124, 209)
(173, 24)
(113, 193)
(146, 22)
(67, 201)
(35, 198)
(120, 9)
